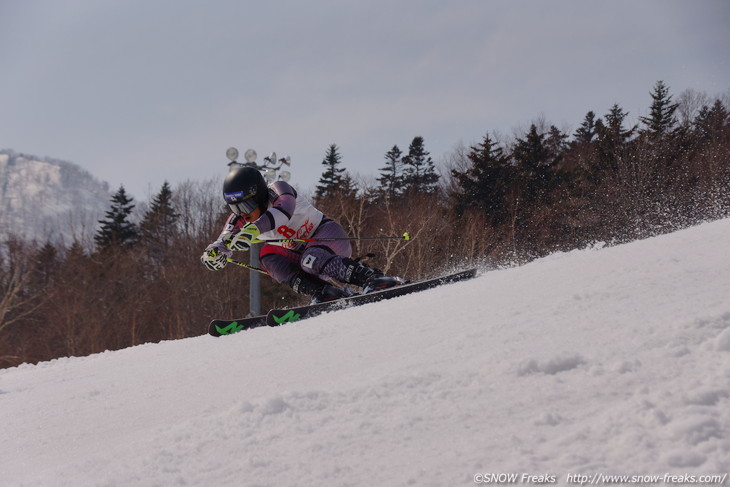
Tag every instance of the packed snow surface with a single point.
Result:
(595, 362)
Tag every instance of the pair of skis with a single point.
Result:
(282, 316)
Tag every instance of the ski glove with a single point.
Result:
(216, 255)
(245, 237)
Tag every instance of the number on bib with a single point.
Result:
(286, 232)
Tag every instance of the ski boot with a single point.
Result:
(367, 278)
(319, 290)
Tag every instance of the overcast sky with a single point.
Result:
(142, 91)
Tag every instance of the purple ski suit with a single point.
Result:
(292, 216)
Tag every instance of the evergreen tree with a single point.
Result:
(614, 126)
(556, 145)
(485, 184)
(348, 187)
(661, 121)
(332, 178)
(391, 179)
(47, 263)
(710, 123)
(116, 230)
(159, 225)
(532, 161)
(75, 253)
(612, 138)
(587, 129)
(419, 174)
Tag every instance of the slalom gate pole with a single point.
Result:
(406, 236)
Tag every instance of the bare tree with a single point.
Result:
(16, 271)
(689, 103)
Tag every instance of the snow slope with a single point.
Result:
(601, 361)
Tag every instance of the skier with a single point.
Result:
(276, 212)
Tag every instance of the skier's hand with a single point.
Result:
(245, 237)
(215, 257)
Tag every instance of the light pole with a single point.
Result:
(269, 170)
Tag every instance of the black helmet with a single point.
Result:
(245, 189)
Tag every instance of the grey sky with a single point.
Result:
(143, 91)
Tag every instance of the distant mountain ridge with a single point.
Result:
(49, 200)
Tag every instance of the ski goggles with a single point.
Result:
(246, 206)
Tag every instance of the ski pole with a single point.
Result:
(247, 266)
(406, 236)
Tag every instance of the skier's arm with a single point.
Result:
(232, 226)
(284, 202)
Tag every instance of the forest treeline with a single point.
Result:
(495, 203)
